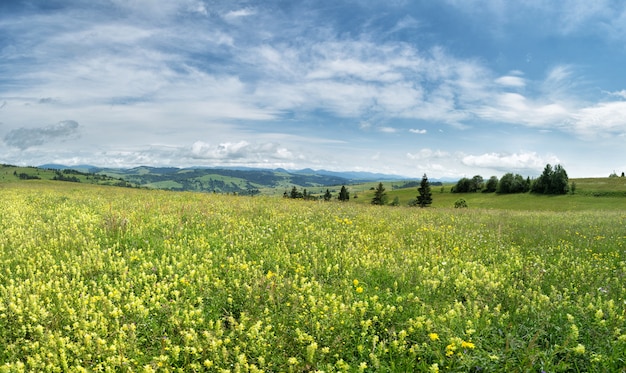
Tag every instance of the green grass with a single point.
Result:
(11, 174)
(590, 194)
(96, 278)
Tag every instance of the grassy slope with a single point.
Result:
(8, 174)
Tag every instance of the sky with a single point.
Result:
(447, 88)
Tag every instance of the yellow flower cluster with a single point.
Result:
(108, 279)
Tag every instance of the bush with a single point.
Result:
(460, 203)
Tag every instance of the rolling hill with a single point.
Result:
(246, 181)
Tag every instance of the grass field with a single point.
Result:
(590, 194)
(99, 278)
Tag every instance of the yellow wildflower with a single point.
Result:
(433, 336)
(579, 350)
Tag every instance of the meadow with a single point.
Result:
(97, 278)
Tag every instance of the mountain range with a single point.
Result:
(229, 180)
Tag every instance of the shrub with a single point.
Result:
(460, 203)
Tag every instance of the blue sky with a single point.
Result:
(449, 88)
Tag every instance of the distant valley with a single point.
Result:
(245, 181)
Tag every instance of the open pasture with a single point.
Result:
(111, 279)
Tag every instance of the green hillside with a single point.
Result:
(590, 194)
(9, 173)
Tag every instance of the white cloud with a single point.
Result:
(234, 15)
(517, 162)
(426, 153)
(511, 81)
(387, 129)
(621, 93)
(418, 131)
(517, 109)
(240, 151)
(603, 119)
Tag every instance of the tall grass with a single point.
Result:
(113, 279)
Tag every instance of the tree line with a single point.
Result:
(553, 180)
(423, 199)
(344, 194)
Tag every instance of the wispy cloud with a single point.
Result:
(511, 81)
(387, 129)
(249, 82)
(621, 93)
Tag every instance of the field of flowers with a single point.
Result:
(108, 279)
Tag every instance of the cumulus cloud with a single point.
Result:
(527, 161)
(24, 138)
(427, 153)
(241, 150)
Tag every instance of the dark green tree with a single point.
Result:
(462, 186)
(559, 182)
(552, 181)
(380, 196)
(477, 183)
(294, 192)
(491, 185)
(327, 195)
(344, 195)
(510, 183)
(425, 196)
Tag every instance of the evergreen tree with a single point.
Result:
(294, 192)
(552, 181)
(559, 182)
(344, 195)
(380, 196)
(327, 195)
(425, 196)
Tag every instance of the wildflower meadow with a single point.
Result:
(123, 280)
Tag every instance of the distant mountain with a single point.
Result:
(80, 168)
(239, 180)
(353, 175)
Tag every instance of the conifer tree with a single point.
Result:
(344, 195)
(327, 195)
(380, 196)
(425, 196)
